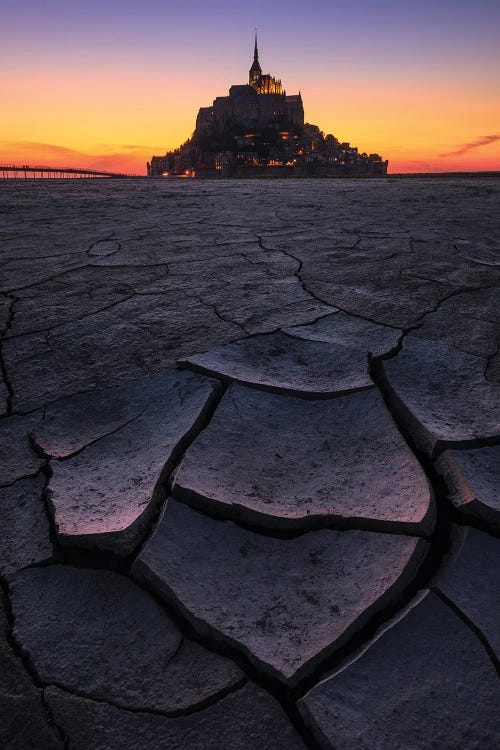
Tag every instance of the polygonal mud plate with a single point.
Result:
(425, 682)
(116, 451)
(287, 364)
(285, 603)
(288, 463)
(442, 395)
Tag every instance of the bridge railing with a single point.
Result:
(45, 169)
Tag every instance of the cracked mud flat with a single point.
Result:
(249, 449)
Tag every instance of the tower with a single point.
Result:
(255, 72)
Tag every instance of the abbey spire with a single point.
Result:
(255, 71)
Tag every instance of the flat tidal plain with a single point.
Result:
(103, 281)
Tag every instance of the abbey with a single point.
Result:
(259, 104)
(259, 130)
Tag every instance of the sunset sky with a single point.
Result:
(108, 83)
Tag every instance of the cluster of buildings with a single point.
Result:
(259, 130)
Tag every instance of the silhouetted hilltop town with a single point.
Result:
(259, 130)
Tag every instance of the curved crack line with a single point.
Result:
(420, 320)
(51, 329)
(471, 625)
(3, 366)
(334, 306)
(212, 306)
(50, 403)
(22, 656)
(82, 267)
(195, 708)
(33, 475)
(489, 362)
(96, 242)
(252, 521)
(39, 449)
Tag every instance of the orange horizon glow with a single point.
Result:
(109, 106)
(417, 129)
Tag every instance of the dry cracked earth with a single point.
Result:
(250, 462)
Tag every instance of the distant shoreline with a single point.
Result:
(486, 174)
